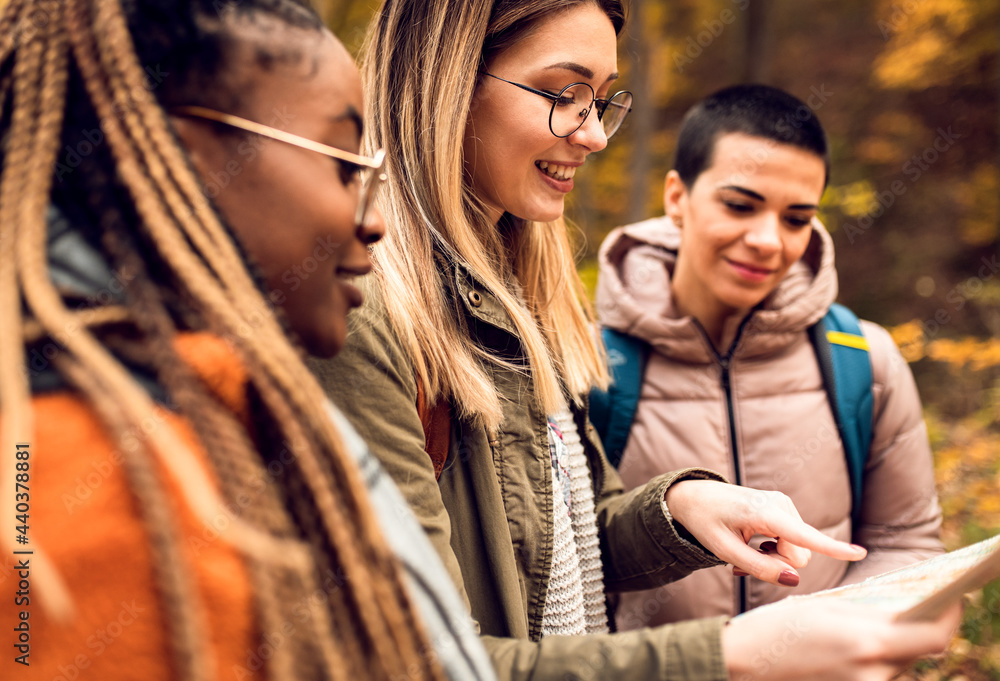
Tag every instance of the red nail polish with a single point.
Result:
(788, 578)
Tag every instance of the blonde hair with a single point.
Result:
(421, 64)
(151, 217)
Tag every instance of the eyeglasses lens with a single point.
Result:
(371, 179)
(615, 112)
(571, 108)
(369, 188)
(574, 104)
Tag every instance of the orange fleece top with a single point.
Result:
(85, 516)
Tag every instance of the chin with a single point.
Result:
(324, 346)
(544, 215)
(744, 303)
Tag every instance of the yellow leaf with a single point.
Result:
(980, 197)
(910, 339)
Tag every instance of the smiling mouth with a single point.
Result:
(752, 268)
(556, 172)
(751, 272)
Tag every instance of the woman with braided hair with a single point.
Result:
(191, 506)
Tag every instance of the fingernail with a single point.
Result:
(788, 578)
(740, 573)
(859, 548)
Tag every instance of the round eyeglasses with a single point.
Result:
(370, 170)
(572, 105)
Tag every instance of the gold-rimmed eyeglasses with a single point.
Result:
(375, 165)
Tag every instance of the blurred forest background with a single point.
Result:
(908, 92)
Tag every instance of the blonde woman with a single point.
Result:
(190, 506)
(466, 371)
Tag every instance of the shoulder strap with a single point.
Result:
(612, 412)
(843, 355)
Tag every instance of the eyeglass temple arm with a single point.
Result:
(547, 95)
(275, 133)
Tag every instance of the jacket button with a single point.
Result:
(475, 298)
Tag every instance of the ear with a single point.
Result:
(674, 197)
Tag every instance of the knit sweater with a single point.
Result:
(574, 603)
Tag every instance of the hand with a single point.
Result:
(725, 517)
(828, 641)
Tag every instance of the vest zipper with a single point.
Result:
(727, 388)
(725, 363)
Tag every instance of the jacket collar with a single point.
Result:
(75, 266)
(80, 271)
(479, 302)
(474, 297)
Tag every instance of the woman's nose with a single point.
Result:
(372, 227)
(765, 234)
(591, 134)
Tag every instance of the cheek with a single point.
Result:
(707, 234)
(313, 305)
(490, 154)
(505, 140)
(796, 245)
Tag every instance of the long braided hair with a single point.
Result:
(70, 66)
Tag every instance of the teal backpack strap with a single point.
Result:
(843, 355)
(612, 412)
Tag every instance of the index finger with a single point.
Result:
(799, 533)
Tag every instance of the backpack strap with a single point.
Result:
(612, 412)
(844, 361)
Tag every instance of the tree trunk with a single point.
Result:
(757, 41)
(641, 121)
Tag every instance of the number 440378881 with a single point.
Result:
(21, 491)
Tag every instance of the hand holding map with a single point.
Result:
(919, 592)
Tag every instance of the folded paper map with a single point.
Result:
(922, 591)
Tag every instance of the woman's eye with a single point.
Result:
(574, 95)
(738, 207)
(797, 221)
(349, 172)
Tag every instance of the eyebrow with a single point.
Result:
(579, 69)
(758, 197)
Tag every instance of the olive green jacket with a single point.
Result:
(490, 514)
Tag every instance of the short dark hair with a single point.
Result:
(755, 110)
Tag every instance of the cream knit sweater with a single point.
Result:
(575, 600)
